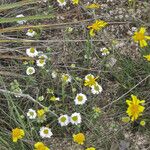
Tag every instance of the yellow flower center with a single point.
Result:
(80, 98)
(30, 30)
(140, 36)
(16, 133)
(63, 119)
(95, 26)
(46, 131)
(31, 113)
(65, 78)
(41, 61)
(135, 109)
(32, 50)
(30, 70)
(74, 118)
(62, 1)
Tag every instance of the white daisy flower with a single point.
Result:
(61, 2)
(21, 21)
(31, 33)
(75, 118)
(41, 61)
(64, 120)
(31, 114)
(96, 89)
(30, 71)
(80, 99)
(31, 52)
(45, 132)
(105, 51)
(66, 78)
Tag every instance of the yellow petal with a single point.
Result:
(128, 102)
(147, 37)
(92, 33)
(142, 30)
(142, 101)
(143, 43)
(15, 139)
(147, 57)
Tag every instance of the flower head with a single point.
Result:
(45, 132)
(31, 114)
(140, 37)
(41, 60)
(91, 148)
(142, 123)
(31, 52)
(61, 2)
(30, 71)
(17, 134)
(66, 78)
(80, 99)
(90, 80)
(21, 21)
(40, 146)
(75, 2)
(96, 89)
(31, 33)
(79, 138)
(75, 118)
(105, 51)
(135, 108)
(98, 25)
(147, 57)
(64, 120)
(40, 113)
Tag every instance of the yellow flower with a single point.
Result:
(75, 1)
(141, 37)
(142, 123)
(79, 138)
(17, 134)
(40, 113)
(90, 80)
(134, 108)
(40, 146)
(147, 57)
(98, 25)
(93, 6)
(91, 148)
